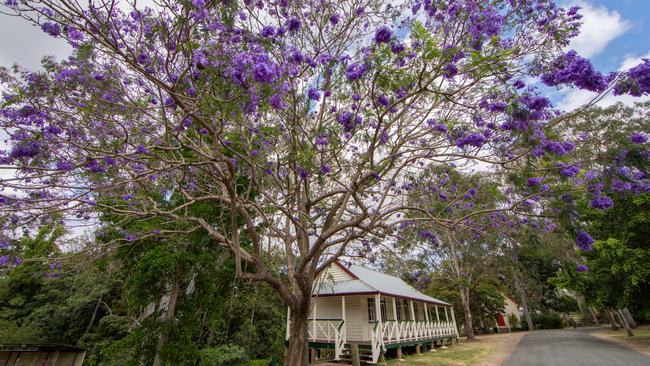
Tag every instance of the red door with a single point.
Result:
(501, 320)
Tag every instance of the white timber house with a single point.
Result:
(375, 312)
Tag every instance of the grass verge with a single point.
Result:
(477, 352)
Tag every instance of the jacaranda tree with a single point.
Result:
(301, 120)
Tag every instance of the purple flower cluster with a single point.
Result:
(313, 94)
(583, 240)
(52, 29)
(355, 71)
(571, 68)
(582, 268)
(430, 237)
(322, 140)
(570, 171)
(534, 181)
(293, 24)
(383, 35)
(473, 139)
(638, 138)
(635, 81)
(601, 202)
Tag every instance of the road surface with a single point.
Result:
(572, 348)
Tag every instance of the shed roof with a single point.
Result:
(367, 281)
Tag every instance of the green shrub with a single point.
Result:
(513, 320)
(547, 321)
(224, 355)
(258, 363)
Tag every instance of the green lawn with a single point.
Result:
(641, 338)
(461, 355)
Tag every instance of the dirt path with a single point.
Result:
(640, 342)
(505, 345)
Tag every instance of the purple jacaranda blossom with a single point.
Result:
(518, 84)
(324, 169)
(203, 131)
(383, 138)
(570, 171)
(127, 197)
(554, 147)
(302, 172)
(638, 138)
(449, 71)
(334, 19)
(268, 31)
(293, 24)
(322, 140)
(276, 102)
(141, 149)
(601, 202)
(255, 152)
(143, 58)
(582, 268)
(313, 94)
(635, 81)
(51, 28)
(583, 240)
(571, 68)
(93, 166)
(534, 181)
(383, 100)
(130, 237)
(473, 139)
(591, 175)
(64, 165)
(264, 72)
(620, 186)
(355, 71)
(397, 47)
(429, 236)
(383, 35)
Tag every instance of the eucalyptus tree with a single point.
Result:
(303, 120)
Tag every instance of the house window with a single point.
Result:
(405, 307)
(398, 308)
(416, 311)
(382, 306)
(372, 316)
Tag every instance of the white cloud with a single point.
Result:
(575, 98)
(600, 26)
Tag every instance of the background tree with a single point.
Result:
(298, 120)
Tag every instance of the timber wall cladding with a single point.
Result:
(355, 317)
(336, 274)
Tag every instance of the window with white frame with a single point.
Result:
(372, 316)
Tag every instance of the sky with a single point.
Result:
(614, 36)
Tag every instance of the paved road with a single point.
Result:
(572, 348)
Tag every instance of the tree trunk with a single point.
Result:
(298, 350)
(611, 319)
(169, 314)
(593, 314)
(625, 324)
(464, 297)
(629, 318)
(524, 302)
(94, 316)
